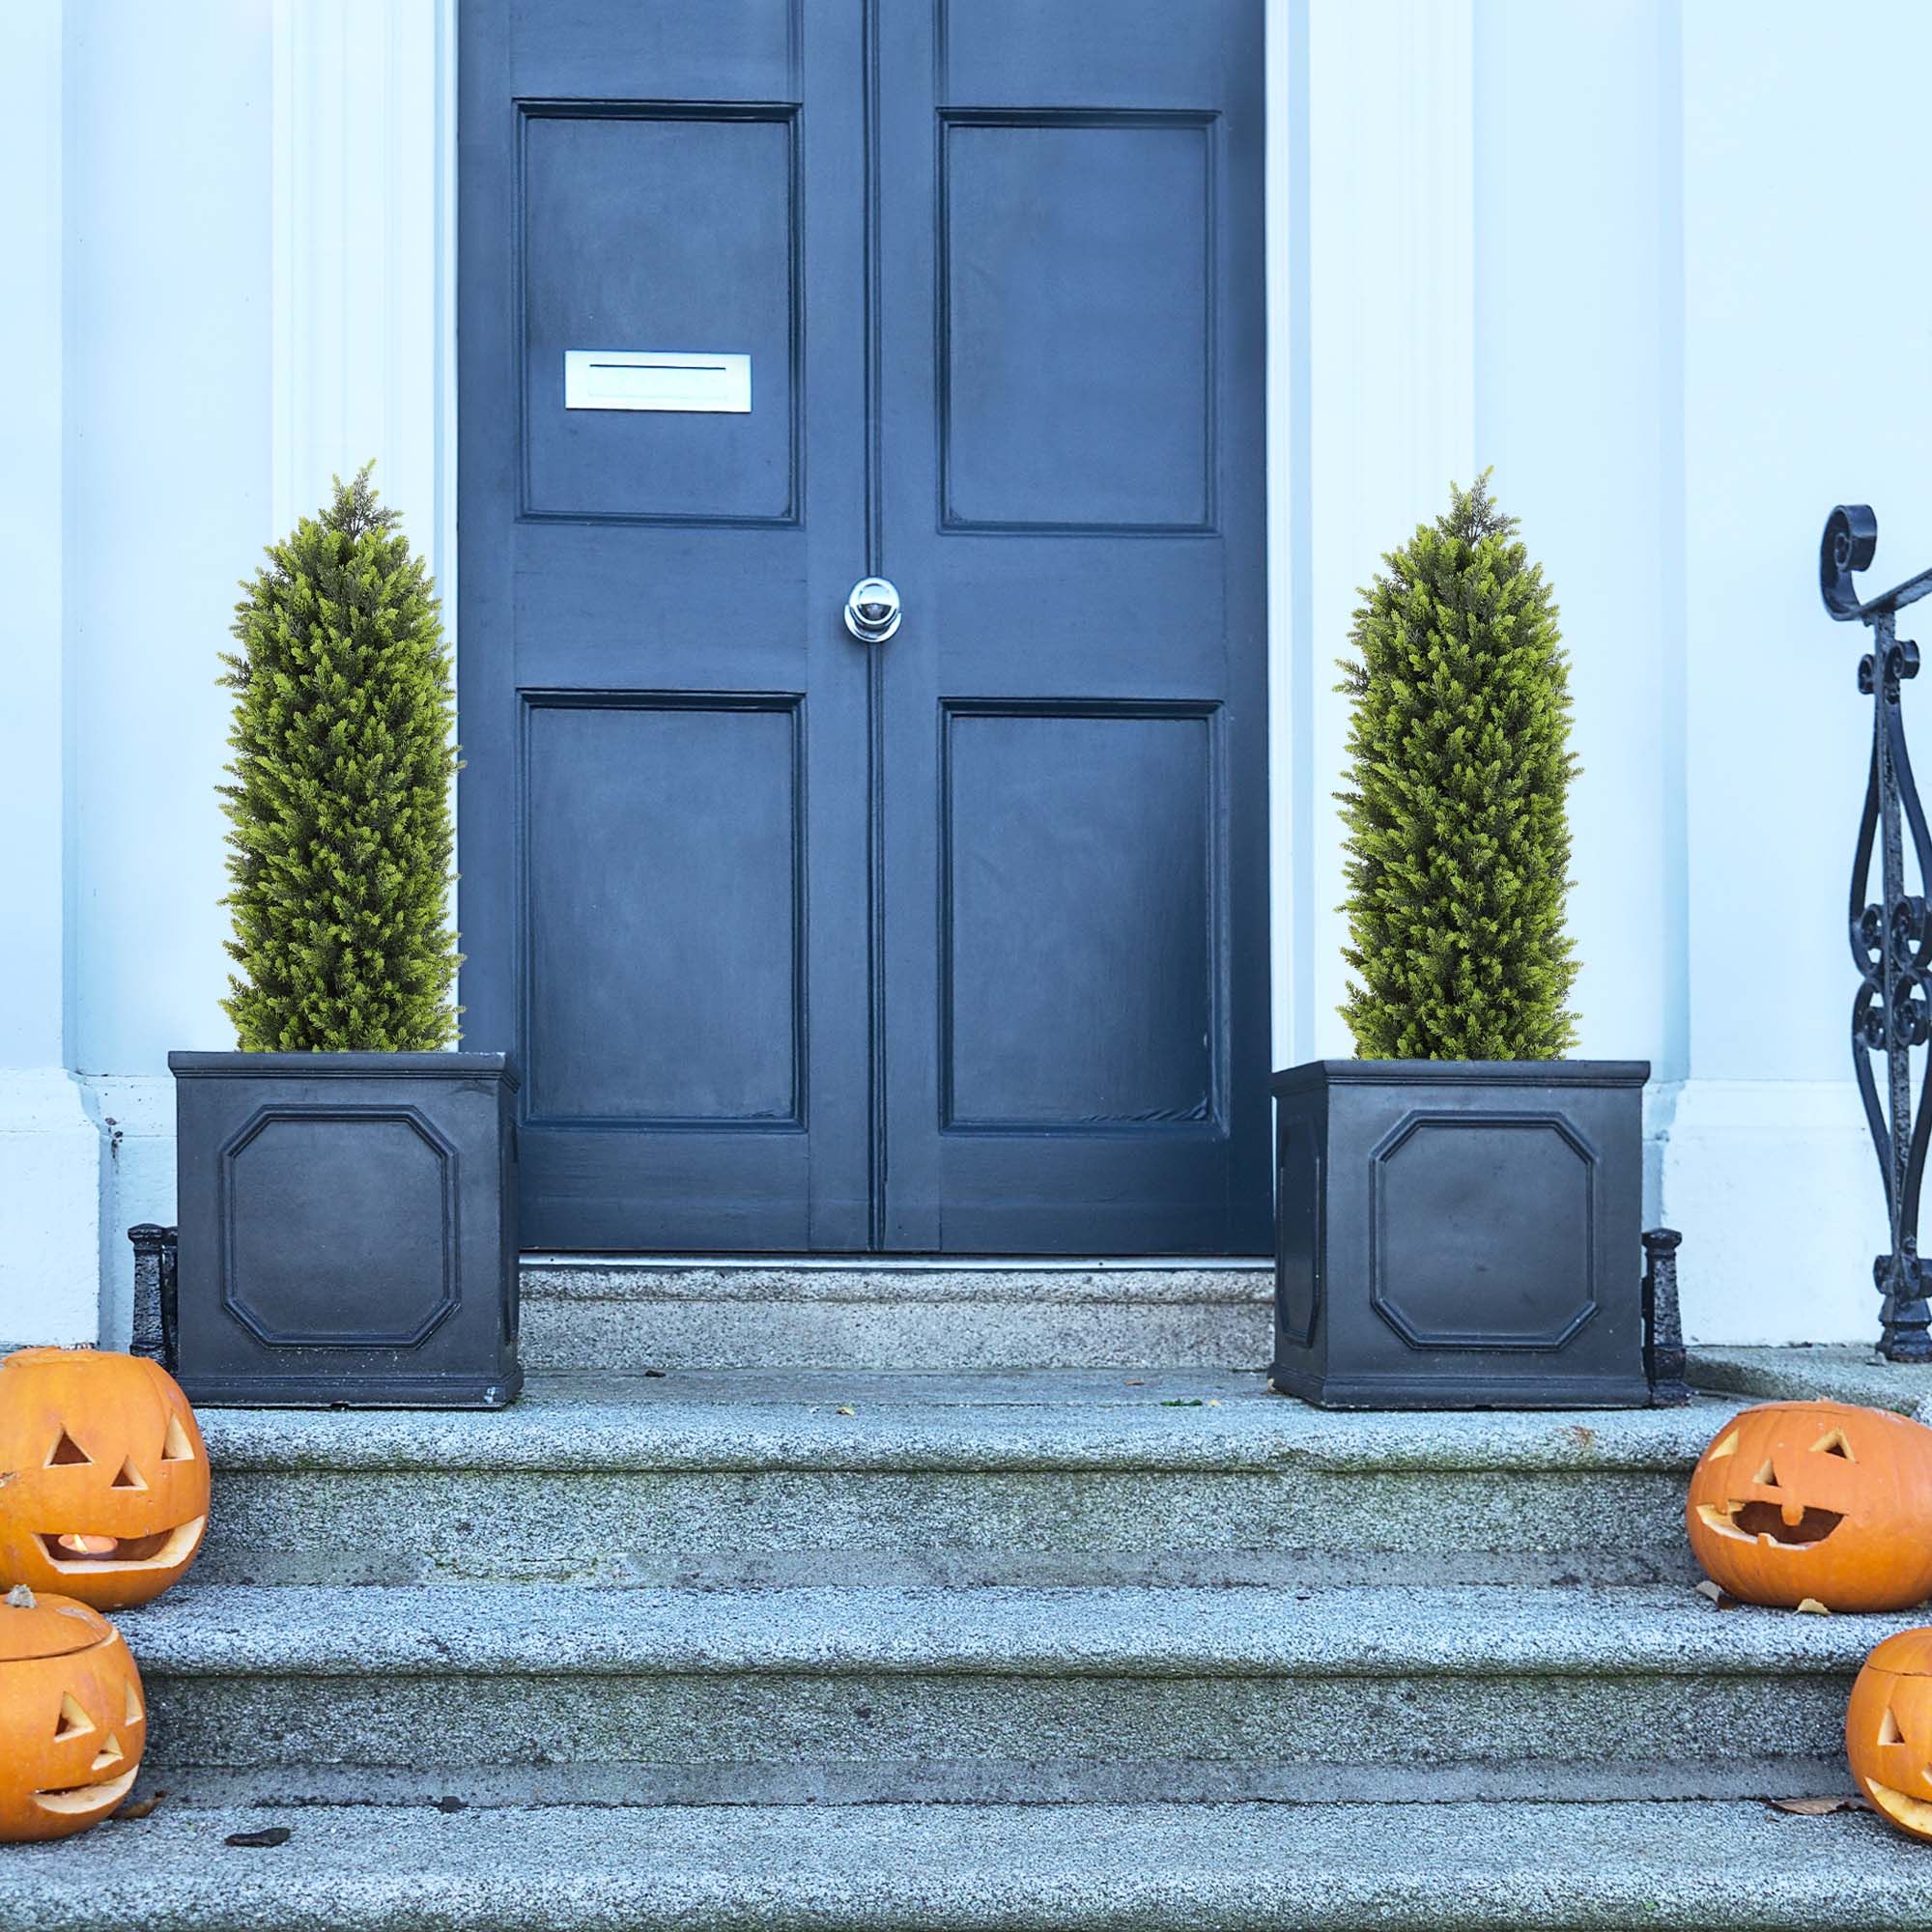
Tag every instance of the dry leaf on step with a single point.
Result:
(139, 1807)
(1819, 1808)
(1722, 1599)
(845, 1409)
(1810, 1606)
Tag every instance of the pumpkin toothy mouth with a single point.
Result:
(78, 1798)
(162, 1549)
(1755, 1522)
(1914, 1814)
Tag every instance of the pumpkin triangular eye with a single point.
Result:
(1832, 1443)
(73, 1720)
(1727, 1447)
(133, 1706)
(1888, 1732)
(175, 1446)
(66, 1450)
(130, 1477)
(110, 1752)
(1767, 1477)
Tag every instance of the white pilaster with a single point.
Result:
(364, 260)
(1389, 348)
(50, 1153)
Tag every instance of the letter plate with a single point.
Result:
(657, 379)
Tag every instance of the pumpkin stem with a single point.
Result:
(21, 1598)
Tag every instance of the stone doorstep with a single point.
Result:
(1547, 1867)
(865, 1420)
(1603, 1688)
(317, 1635)
(969, 1315)
(1052, 1478)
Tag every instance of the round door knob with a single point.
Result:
(872, 610)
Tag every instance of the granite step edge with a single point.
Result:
(1723, 1868)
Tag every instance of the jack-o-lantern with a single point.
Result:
(73, 1717)
(1888, 1731)
(1816, 1500)
(103, 1478)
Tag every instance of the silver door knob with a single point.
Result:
(872, 610)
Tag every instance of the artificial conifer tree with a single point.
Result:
(1459, 838)
(340, 840)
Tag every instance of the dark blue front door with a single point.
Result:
(955, 941)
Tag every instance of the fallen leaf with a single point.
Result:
(1181, 1402)
(139, 1807)
(1819, 1808)
(1214, 1402)
(275, 1835)
(1722, 1599)
(1134, 1382)
(1810, 1606)
(843, 1409)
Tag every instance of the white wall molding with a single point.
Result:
(1775, 1189)
(1390, 373)
(133, 1116)
(364, 255)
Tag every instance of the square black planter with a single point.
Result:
(348, 1229)
(1457, 1234)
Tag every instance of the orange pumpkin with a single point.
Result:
(1818, 1500)
(73, 1717)
(103, 1477)
(1888, 1731)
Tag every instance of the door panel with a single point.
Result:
(1072, 503)
(665, 805)
(951, 944)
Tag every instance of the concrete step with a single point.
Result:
(603, 1314)
(1721, 1867)
(908, 1694)
(1059, 1478)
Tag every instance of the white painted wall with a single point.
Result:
(1577, 240)
(1583, 244)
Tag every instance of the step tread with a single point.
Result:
(1445, 1866)
(1046, 1419)
(1178, 1284)
(454, 1629)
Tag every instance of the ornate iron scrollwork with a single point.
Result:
(1891, 936)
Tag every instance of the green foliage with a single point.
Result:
(340, 839)
(1459, 838)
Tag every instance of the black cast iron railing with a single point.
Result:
(1892, 938)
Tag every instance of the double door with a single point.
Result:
(817, 930)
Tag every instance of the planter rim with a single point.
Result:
(1461, 1073)
(446, 1065)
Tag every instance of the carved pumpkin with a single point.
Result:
(1818, 1500)
(73, 1717)
(1888, 1731)
(103, 1478)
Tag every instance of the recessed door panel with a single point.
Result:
(1078, 855)
(666, 851)
(669, 234)
(1076, 307)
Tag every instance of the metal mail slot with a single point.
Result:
(656, 379)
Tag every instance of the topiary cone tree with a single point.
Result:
(1457, 829)
(341, 842)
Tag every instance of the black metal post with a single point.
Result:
(154, 1256)
(1892, 939)
(1664, 1361)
